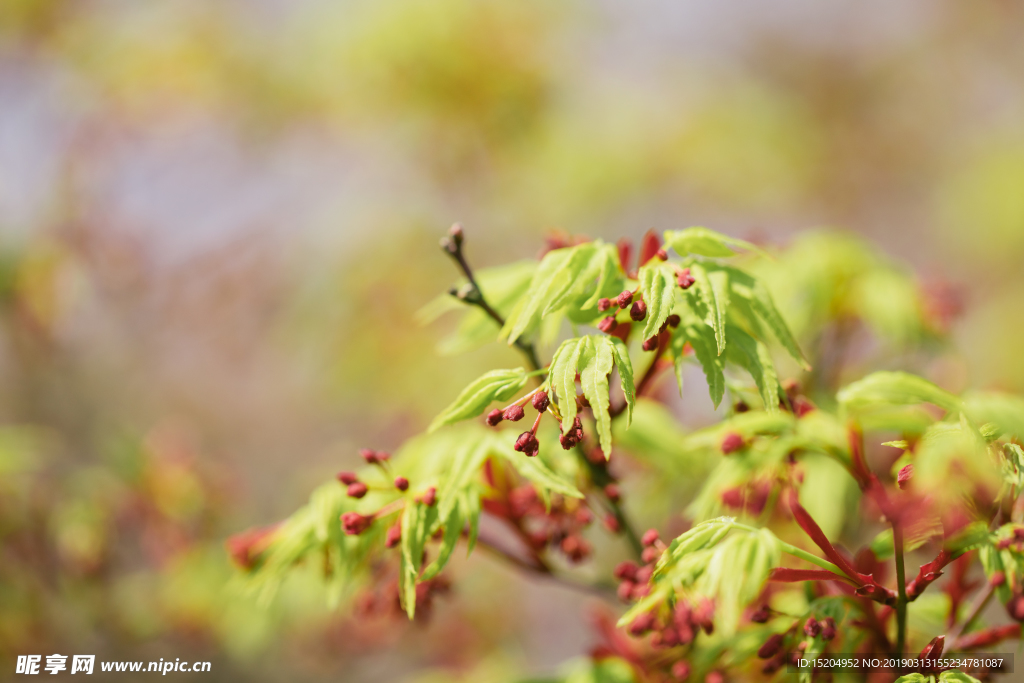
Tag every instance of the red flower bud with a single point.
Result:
(626, 571)
(513, 413)
(613, 493)
(603, 304)
(812, 628)
(673, 321)
(704, 614)
(456, 233)
(401, 483)
(802, 406)
(828, 632)
(527, 443)
(1015, 607)
(354, 523)
(624, 299)
(494, 417)
(357, 489)
(684, 278)
(638, 311)
(642, 624)
(369, 455)
(430, 497)
(731, 443)
(541, 401)
(625, 591)
(715, 677)
(904, 476)
(644, 574)
(611, 523)
(607, 324)
(650, 537)
(347, 478)
(584, 516)
(661, 254)
(771, 647)
(394, 536)
(761, 615)
(997, 579)
(650, 555)
(650, 344)
(383, 456)
(680, 670)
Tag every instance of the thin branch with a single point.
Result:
(474, 296)
(901, 583)
(976, 608)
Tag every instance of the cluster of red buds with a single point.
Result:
(381, 598)
(773, 650)
(750, 497)
(561, 526)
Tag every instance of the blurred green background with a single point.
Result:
(218, 218)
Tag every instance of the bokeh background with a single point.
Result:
(218, 219)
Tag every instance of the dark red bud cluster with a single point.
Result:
(527, 444)
(731, 443)
(603, 304)
(751, 497)
(514, 413)
(650, 344)
(673, 321)
(684, 278)
(607, 324)
(357, 489)
(650, 537)
(661, 255)
(771, 647)
(761, 615)
(401, 483)
(812, 627)
(638, 311)
(494, 417)
(1015, 607)
(573, 436)
(347, 478)
(624, 299)
(540, 401)
(354, 523)
(373, 457)
(560, 524)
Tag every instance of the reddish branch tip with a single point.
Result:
(673, 321)
(638, 311)
(624, 299)
(540, 401)
(401, 483)
(607, 324)
(684, 278)
(650, 537)
(731, 443)
(650, 344)
(612, 491)
(903, 478)
(514, 413)
(494, 417)
(347, 478)
(394, 536)
(603, 304)
(771, 647)
(354, 523)
(527, 444)
(357, 489)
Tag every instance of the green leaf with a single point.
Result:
(1013, 465)
(755, 294)
(625, 368)
(563, 276)
(715, 296)
(706, 242)
(1004, 410)
(658, 286)
(496, 385)
(597, 365)
(915, 678)
(536, 471)
(894, 388)
(954, 676)
(753, 356)
(705, 347)
(417, 520)
(453, 524)
(562, 378)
